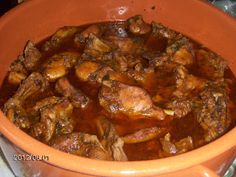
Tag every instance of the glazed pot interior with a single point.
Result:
(37, 19)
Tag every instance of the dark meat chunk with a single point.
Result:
(58, 65)
(77, 97)
(118, 28)
(16, 77)
(138, 26)
(144, 135)
(33, 84)
(181, 107)
(210, 65)
(16, 113)
(110, 140)
(55, 119)
(181, 51)
(31, 56)
(160, 30)
(211, 110)
(121, 62)
(81, 144)
(58, 38)
(96, 47)
(170, 148)
(82, 36)
(187, 83)
(131, 101)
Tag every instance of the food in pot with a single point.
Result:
(122, 90)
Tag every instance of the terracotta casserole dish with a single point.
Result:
(37, 19)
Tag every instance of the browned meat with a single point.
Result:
(31, 56)
(96, 47)
(58, 38)
(160, 30)
(16, 77)
(118, 28)
(58, 65)
(131, 101)
(110, 140)
(82, 36)
(211, 110)
(55, 118)
(181, 146)
(181, 107)
(144, 135)
(81, 144)
(16, 113)
(77, 97)
(187, 83)
(210, 65)
(138, 26)
(181, 51)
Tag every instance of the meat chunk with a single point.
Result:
(181, 146)
(210, 65)
(96, 47)
(110, 140)
(181, 51)
(33, 84)
(138, 26)
(131, 101)
(181, 107)
(212, 111)
(82, 36)
(160, 30)
(144, 135)
(187, 83)
(81, 144)
(58, 65)
(60, 37)
(77, 97)
(31, 56)
(54, 119)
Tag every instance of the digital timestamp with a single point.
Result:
(29, 157)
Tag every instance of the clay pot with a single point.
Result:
(36, 19)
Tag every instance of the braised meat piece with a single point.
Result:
(54, 118)
(181, 107)
(181, 146)
(77, 97)
(59, 64)
(59, 37)
(187, 83)
(132, 101)
(81, 144)
(138, 26)
(210, 65)
(212, 111)
(110, 140)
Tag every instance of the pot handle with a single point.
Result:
(204, 171)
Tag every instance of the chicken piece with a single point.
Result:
(45, 103)
(33, 84)
(181, 107)
(31, 56)
(96, 47)
(81, 144)
(121, 62)
(181, 51)
(110, 140)
(162, 31)
(85, 69)
(178, 147)
(187, 83)
(117, 28)
(55, 118)
(59, 64)
(138, 26)
(211, 110)
(77, 97)
(127, 45)
(82, 36)
(16, 113)
(60, 37)
(131, 101)
(210, 65)
(16, 78)
(144, 135)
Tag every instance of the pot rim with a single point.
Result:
(106, 168)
